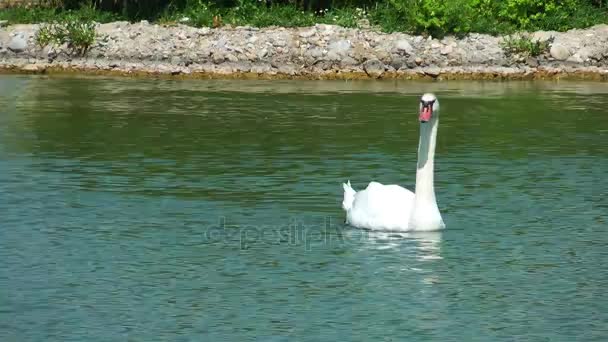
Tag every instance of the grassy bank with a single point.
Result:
(434, 17)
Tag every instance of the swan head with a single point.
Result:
(429, 107)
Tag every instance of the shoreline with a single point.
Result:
(320, 52)
(473, 73)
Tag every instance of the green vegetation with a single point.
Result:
(32, 15)
(79, 35)
(525, 46)
(436, 17)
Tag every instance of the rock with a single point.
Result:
(410, 63)
(347, 62)
(278, 42)
(243, 66)
(374, 68)
(3, 23)
(223, 69)
(559, 52)
(315, 53)
(221, 43)
(339, 47)
(333, 56)
(476, 57)
(18, 43)
(576, 58)
(587, 53)
(175, 60)
(262, 53)
(432, 71)
(30, 67)
(418, 60)
(308, 33)
(446, 50)
(261, 68)
(204, 31)
(218, 57)
(359, 52)
(287, 69)
(324, 65)
(231, 58)
(325, 29)
(383, 55)
(532, 62)
(543, 35)
(403, 46)
(398, 63)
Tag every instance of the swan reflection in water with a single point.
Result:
(423, 245)
(415, 251)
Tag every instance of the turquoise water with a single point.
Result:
(147, 210)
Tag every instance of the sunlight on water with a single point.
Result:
(210, 211)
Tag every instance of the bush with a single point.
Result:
(458, 17)
(525, 46)
(435, 17)
(77, 34)
(528, 14)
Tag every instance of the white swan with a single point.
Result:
(391, 207)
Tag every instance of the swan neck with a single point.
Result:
(425, 191)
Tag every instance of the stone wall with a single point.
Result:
(320, 51)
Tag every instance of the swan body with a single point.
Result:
(392, 207)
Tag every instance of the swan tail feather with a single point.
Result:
(349, 196)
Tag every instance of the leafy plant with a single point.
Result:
(78, 35)
(528, 14)
(525, 46)
(46, 35)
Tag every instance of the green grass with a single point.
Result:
(436, 17)
(248, 13)
(20, 15)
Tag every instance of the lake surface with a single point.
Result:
(147, 210)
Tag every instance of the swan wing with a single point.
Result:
(381, 207)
